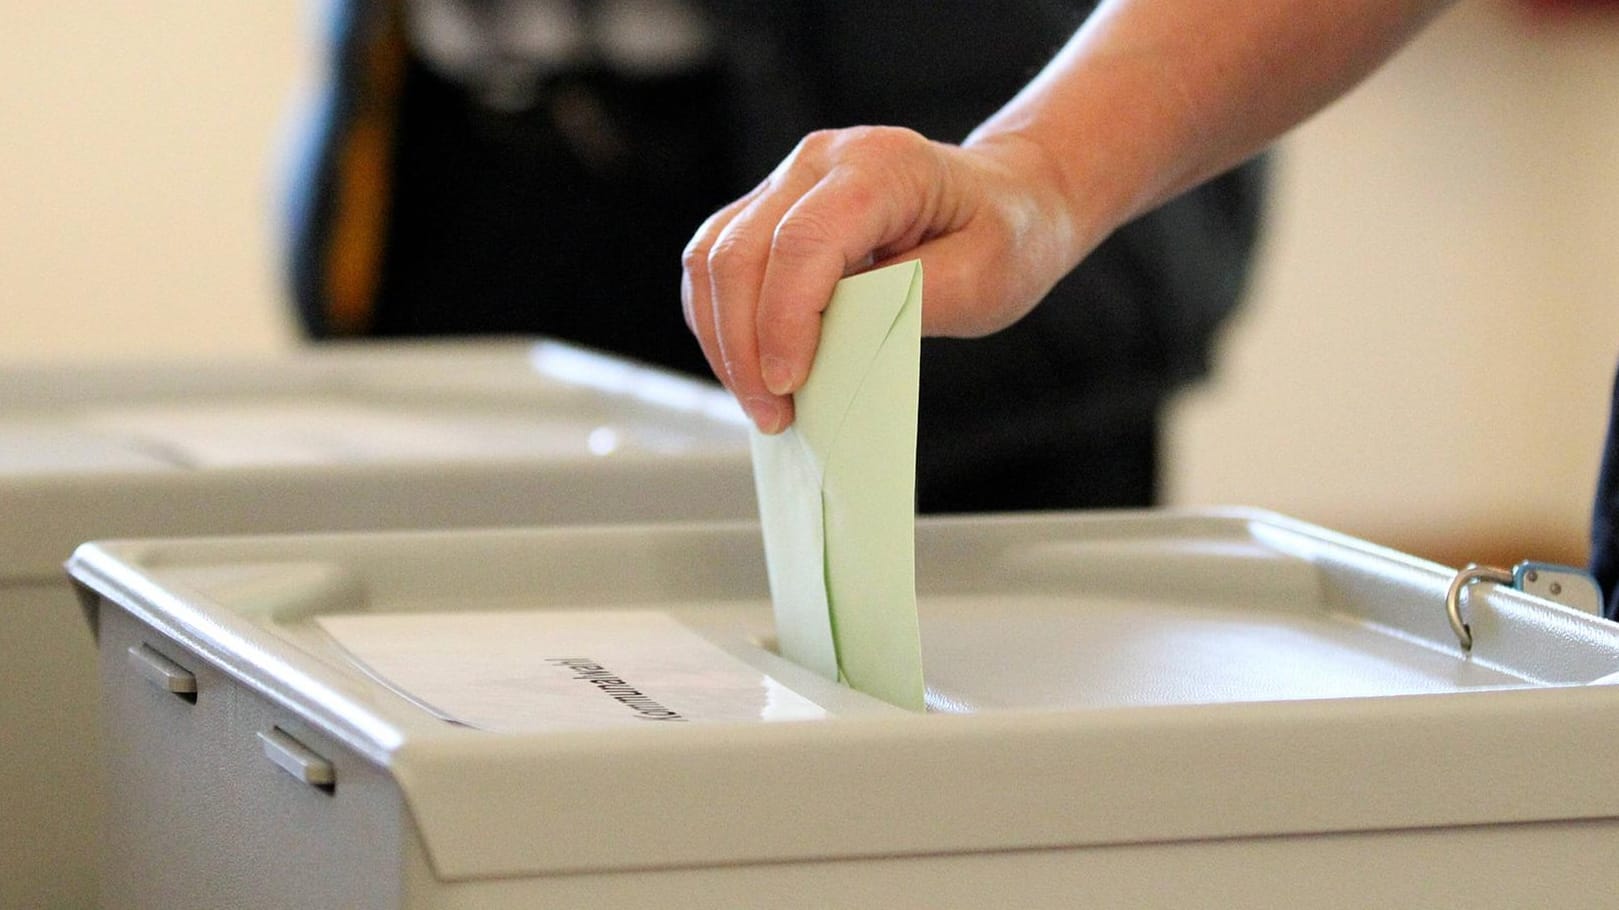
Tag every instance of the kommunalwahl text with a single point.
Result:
(616, 688)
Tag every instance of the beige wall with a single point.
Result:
(1424, 361)
(1428, 352)
(137, 156)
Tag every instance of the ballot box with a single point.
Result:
(1219, 709)
(363, 437)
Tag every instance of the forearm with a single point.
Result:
(1150, 98)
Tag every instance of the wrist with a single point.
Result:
(1080, 214)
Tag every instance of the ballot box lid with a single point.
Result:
(1095, 679)
(357, 436)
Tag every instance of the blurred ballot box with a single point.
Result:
(1220, 709)
(338, 438)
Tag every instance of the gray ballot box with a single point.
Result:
(1220, 709)
(335, 438)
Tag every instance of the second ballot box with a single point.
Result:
(342, 437)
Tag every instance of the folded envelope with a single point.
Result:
(837, 493)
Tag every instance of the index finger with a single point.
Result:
(735, 269)
(834, 230)
(696, 301)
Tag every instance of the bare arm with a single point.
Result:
(1147, 100)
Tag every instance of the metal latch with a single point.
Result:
(1565, 585)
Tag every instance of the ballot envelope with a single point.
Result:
(1159, 709)
(340, 437)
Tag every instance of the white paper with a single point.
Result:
(539, 670)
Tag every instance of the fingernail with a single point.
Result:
(778, 376)
(765, 412)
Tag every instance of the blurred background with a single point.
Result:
(1424, 360)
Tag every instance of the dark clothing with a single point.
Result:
(1605, 515)
(567, 218)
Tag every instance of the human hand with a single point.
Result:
(990, 221)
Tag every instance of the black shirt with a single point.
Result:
(503, 220)
(1605, 516)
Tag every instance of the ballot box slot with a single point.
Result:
(164, 673)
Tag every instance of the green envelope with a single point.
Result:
(837, 494)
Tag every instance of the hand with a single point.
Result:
(989, 220)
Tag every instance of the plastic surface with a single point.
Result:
(389, 436)
(296, 759)
(1096, 681)
(162, 672)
